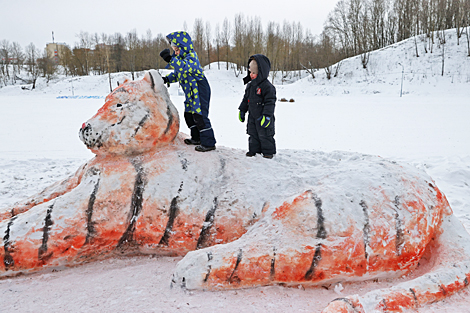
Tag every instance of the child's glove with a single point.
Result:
(241, 116)
(165, 81)
(166, 55)
(264, 121)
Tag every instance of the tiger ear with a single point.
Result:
(149, 79)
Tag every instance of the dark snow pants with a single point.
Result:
(200, 125)
(261, 139)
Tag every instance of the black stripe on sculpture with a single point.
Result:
(414, 297)
(385, 305)
(272, 273)
(321, 234)
(8, 261)
(233, 277)
(90, 226)
(400, 236)
(45, 234)
(206, 228)
(174, 210)
(170, 119)
(209, 267)
(136, 204)
(141, 123)
(152, 81)
(366, 228)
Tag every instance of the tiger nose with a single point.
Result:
(83, 125)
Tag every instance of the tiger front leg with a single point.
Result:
(51, 234)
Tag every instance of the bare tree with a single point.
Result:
(198, 38)
(338, 66)
(459, 13)
(286, 42)
(273, 47)
(378, 13)
(147, 43)
(85, 44)
(66, 61)
(258, 36)
(467, 22)
(365, 59)
(355, 22)
(226, 37)
(239, 30)
(310, 69)
(32, 56)
(309, 51)
(132, 44)
(118, 52)
(442, 42)
(207, 40)
(327, 54)
(97, 56)
(298, 40)
(47, 66)
(338, 26)
(106, 41)
(468, 40)
(364, 35)
(5, 55)
(218, 43)
(17, 55)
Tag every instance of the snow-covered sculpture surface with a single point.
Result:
(304, 217)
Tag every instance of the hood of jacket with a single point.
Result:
(182, 40)
(264, 66)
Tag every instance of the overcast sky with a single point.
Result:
(26, 21)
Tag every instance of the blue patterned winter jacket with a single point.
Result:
(187, 70)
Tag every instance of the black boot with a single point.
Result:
(267, 156)
(202, 148)
(250, 154)
(191, 142)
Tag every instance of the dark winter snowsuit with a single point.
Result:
(189, 73)
(259, 100)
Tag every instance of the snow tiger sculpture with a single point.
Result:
(307, 218)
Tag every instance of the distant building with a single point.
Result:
(10, 60)
(55, 50)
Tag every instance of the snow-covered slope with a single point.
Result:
(383, 74)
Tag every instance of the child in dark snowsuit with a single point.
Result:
(189, 73)
(259, 100)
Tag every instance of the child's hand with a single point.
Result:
(241, 116)
(165, 54)
(264, 121)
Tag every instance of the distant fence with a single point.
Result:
(80, 97)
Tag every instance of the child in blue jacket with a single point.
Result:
(189, 73)
(259, 101)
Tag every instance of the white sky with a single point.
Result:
(26, 21)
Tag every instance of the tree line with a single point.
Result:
(360, 26)
(353, 27)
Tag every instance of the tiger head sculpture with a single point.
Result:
(137, 117)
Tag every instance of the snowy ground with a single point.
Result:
(427, 127)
